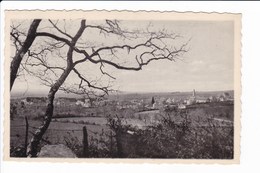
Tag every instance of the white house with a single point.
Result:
(181, 106)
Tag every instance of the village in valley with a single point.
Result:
(153, 101)
(140, 110)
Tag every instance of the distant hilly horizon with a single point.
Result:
(62, 94)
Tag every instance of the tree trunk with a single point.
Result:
(34, 145)
(21, 52)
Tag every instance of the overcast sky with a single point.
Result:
(208, 66)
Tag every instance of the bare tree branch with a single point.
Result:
(46, 34)
(24, 48)
(56, 27)
(104, 89)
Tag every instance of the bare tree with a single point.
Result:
(21, 47)
(119, 48)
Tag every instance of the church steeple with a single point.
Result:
(194, 93)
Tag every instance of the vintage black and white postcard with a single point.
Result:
(161, 87)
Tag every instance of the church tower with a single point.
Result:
(194, 93)
(193, 97)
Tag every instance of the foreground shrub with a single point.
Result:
(176, 135)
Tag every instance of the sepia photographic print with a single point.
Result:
(131, 86)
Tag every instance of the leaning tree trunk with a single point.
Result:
(34, 145)
(31, 35)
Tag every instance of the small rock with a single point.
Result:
(57, 151)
